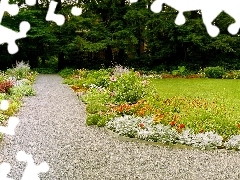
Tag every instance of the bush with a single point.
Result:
(5, 86)
(128, 88)
(92, 119)
(45, 70)
(67, 72)
(23, 90)
(181, 71)
(99, 78)
(20, 71)
(214, 72)
(232, 75)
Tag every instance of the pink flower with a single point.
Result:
(138, 74)
(112, 78)
(145, 82)
(112, 94)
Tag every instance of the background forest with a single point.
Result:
(116, 32)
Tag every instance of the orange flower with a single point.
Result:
(141, 125)
(172, 123)
(181, 126)
(238, 125)
(175, 118)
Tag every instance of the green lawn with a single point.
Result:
(228, 90)
(216, 105)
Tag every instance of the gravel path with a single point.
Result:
(52, 128)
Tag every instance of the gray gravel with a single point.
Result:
(52, 128)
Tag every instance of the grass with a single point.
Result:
(202, 105)
(228, 90)
(217, 103)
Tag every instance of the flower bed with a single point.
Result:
(15, 83)
(126, 102)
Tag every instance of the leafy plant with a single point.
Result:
(234, 74)
(128, 88)
(67, 72)
(5, 86)
(214, 72)
(20, 71)
(23, 90)
(181, 71)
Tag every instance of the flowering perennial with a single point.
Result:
(145, 128)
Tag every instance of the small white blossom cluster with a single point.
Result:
(233, 142)
(99, 88)
(159, 76)
(125, 125)
(20, 82)
(119, 70)
(200, 140)
(144, 128)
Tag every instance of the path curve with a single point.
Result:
(52, 128)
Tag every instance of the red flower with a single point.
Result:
(181, 126)
(141, 125)
(172, 123)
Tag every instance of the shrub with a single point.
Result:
(23, 90)
(235, 74)
(92, 119)
(128, 88)
(181, 71)
(5, 86)
(214, 72)
(100, 78)
(67, 72)
(45, 70)
(20, 71)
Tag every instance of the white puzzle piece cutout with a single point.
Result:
(32, 170)
(59, 19)
(76, 11)
(4, 170)
(210, 9)
(30, 2)
(12, 124)
(7, 35)
(4, 105)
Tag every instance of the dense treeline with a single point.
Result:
(115, 31)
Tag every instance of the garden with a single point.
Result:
(15, 83)
(179, 107)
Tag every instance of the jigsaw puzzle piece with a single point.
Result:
(76, 11)
(4, 170)
(12, 9)
(12, 123)
(32, 170)
(4, 105)
(59, 19)
(9, 36)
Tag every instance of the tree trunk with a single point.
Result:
(108, 55)
(60, 61)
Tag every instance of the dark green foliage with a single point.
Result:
(214, 72)
(115, 32)
(92, 119)
(66, 72)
